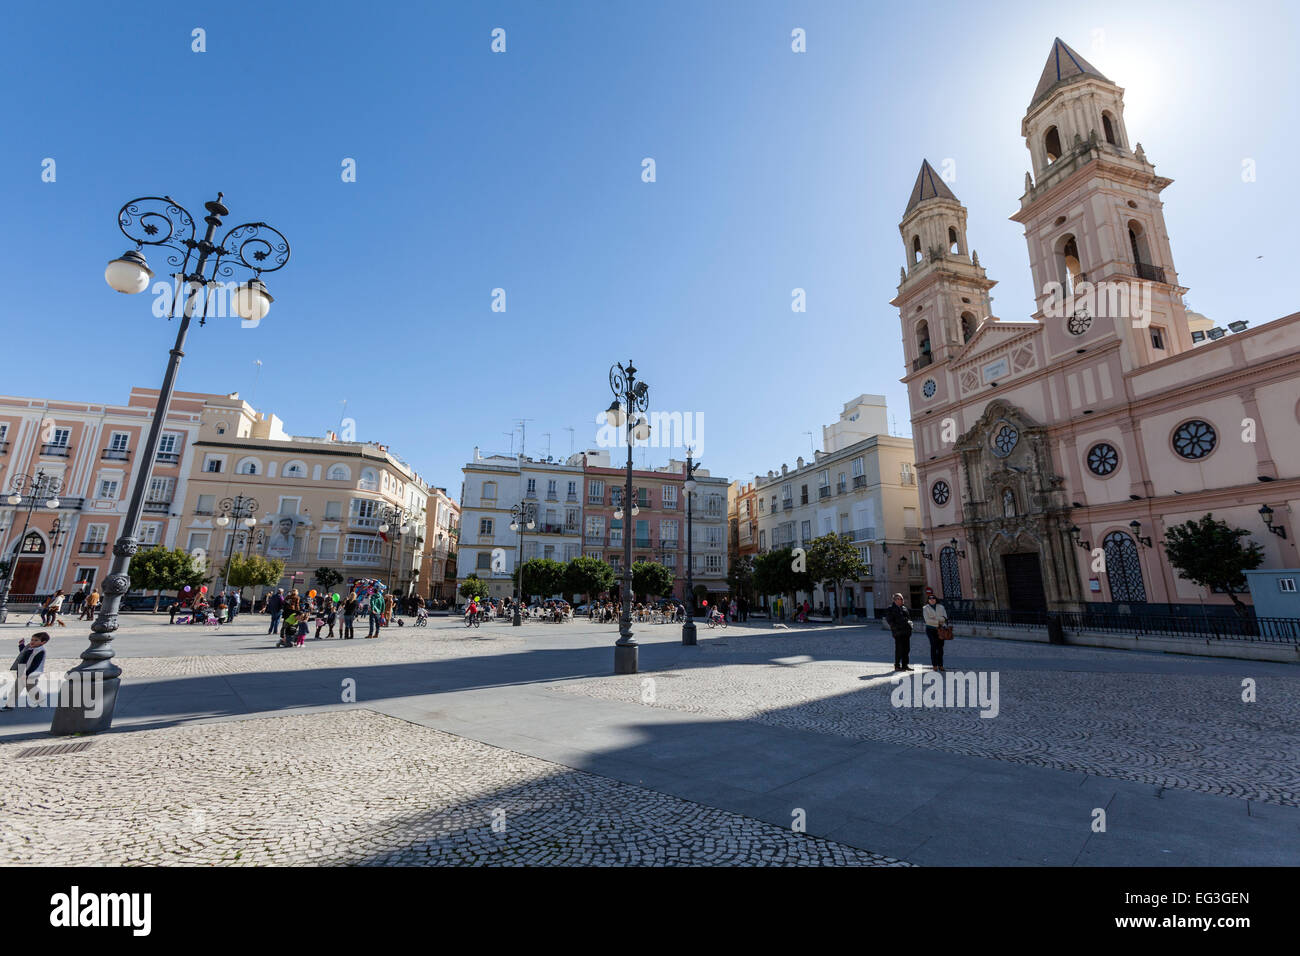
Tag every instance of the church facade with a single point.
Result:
(1052, 453)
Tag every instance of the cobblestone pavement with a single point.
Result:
(281, 790)
(1169, 729)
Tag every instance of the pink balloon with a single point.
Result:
(187, 588)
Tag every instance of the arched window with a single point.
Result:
(1137, 241)
(369, 480)
(1108, 129)
(295, 469)
(949, 572)
(339, 473)
(33, 543)
(1123, 569)
(967, 326)
(916, 248)
(248, 466)
(1052, 144)
(1067, 252)
(1008, 503)
(953, 245)
(923, 341)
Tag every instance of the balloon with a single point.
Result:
(187, 589)
(336, 597)
(311, 593)
(706, 603)
(204, 589)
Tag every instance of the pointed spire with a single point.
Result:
(1063, 66)
(929, 185)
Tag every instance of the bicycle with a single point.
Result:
(717, 620)
(471, 620)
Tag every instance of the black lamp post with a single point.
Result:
(390, 516)
(522, 515)
(252, 246)
(688, 626)
(243, 510)
(40, 490)
(631, 399)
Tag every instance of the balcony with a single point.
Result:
(859, 481)
(642, 543)
(93, 547)
(157, 507)
(824, 491)
(922, 360)
(595, 540)
(359, 522)
(668, 544)
(572, 496)
(787, 504)
(167, 458)
(115, 454)
(862, 534)
(204, 512)
(670, 505)
(363, 560)
(1144, 270)
(55, 451)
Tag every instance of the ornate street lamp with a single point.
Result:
(202, 265)
(522, 515)
(1136, 527)
(1265, 512)
(393, 517)
(631, 400)
(242, 510)
(40, 490)
(688, 626)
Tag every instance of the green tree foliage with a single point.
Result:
(160, 569)
(740, 576)
(1210, 553)
(650, 579)
(327, 579)
(541, 576)
(254, 571)
(588, 576)
(774, 573)
(832, 560)
(473, 587)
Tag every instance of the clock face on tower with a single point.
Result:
(1080, 322)
(928, 389)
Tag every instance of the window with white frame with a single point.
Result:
(532, 487)
(483, 561)
(369, 480)
(295, 469)
(490, 490)
(333, 510)
(214, 464)
(595, 492)
(713, 563)
(858, 467)
(107, 489)
(205, 505)
(168, 442)
(551, 488)
(118, 441)
(97, 534)
(670, 496)
(668, 532)
(328, 549)
(364, 513)
(362, 549)
(1286, 584)
(573, 489)
(59, 439)
(485, 526)
(198, 541)
(150, 532)
(161, 489)
(249, 466)
(290, 506)
(339, 473)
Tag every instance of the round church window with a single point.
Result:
(1194, 439)
(1005, 439)
(1102, 459)
(940, 492)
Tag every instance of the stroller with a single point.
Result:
(288, 631)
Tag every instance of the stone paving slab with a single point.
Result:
(281, 791)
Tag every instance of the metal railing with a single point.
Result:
(1269, 630)
(1144, 270)
(115, 454)
(859, 481)
(55, 451)
(167, 457)
(921, 361)
(93, 547)
(157, 507)
(824, 491)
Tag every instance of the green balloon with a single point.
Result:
(336, 597)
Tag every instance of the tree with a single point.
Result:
(473, 587)
(650, 579)
(588, 576)
(327, 579)
(541, 576)
(831, 560)
(253, 571)
(740, 576)
(158, 569)
(774, 573)
(1209, 553)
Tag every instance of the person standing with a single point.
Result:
(349, 612)
(78, 596)
(28, 667)
(233, 603)
(275, 607)
(899, 619)
(91, 606)
(52, 609)
(376, 612)
(936, 616)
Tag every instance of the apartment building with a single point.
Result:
(320, 502)
(862, 486)
(93, 451)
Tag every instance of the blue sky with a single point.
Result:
(522, 171)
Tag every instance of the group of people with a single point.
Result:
(198, 607)
(937, 628)
(292, 614)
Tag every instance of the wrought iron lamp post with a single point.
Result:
(522, 515)
(391, 516)
(626, 412)
(243, 510)
(40, 490)
(202, 267)
(688, 626)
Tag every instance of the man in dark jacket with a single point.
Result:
(275, 607)
(899, 619)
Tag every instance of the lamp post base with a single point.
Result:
(517, 620)
(86, 704)
(688, 634)
(625, 658)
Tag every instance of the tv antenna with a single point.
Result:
(523, 433)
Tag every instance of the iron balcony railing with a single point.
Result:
(4, 447)
(1268, 630)
(93, 547)
(157, 507)
(824, 491)
(921, 361)
(167, 457)
(668, 544)
(115, 454)
(55, 451)
(862, 534)
(1145, 270)
(787, 504)
(597, 540)
(859, 481)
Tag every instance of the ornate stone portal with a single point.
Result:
(1015, 515)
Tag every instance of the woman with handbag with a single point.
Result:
(937, 629)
